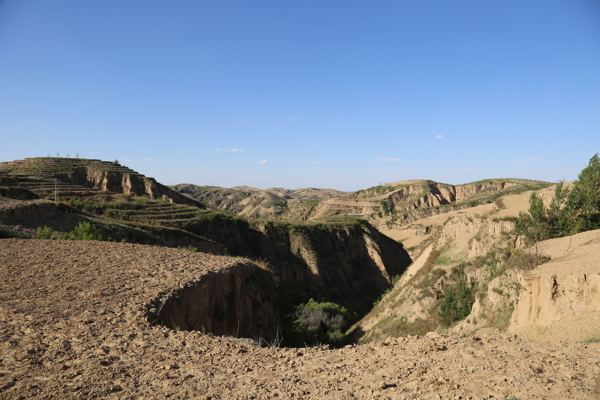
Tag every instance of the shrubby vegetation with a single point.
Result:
(458, 298)
(314, 324)
(83, 231)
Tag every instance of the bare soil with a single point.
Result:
(73, 325)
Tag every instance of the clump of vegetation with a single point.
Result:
(316, 323)
(500, 203)
(458, 299)
(189, 248)
(83, 231)
(46, 233)
(387, 205)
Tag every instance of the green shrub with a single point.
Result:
(458, 299)
(317, 323)
(84, 231)
(46, 233)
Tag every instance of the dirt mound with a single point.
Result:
(73, 324)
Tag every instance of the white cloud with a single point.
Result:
(264, 162)
(318, 162)
(236, 149)
(439, 136)
(96, 152)
(467, 170)
(526, 161)
(217, 149)
(389, 159)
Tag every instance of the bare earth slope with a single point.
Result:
(561, 300)
(73, 325)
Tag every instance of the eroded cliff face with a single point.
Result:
(129, 183)
(349, 265)
(21, 211)
(560, 300)
(240, 301)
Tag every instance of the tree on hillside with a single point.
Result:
(559, 218)
(583, 204)
(534, 225)
(571, 211)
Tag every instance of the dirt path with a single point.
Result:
(72, 325)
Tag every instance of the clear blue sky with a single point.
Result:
(296, 93)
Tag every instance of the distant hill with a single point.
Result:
(388, 205)
(400, 203)
(253, 202)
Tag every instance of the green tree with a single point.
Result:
(319, 323)
(534, 225)
(583, 204)
(558, 215)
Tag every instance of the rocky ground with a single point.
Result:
(73, 325)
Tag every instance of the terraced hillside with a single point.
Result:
(393, 206)
(46, 176)
(400, 203)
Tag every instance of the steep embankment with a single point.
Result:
(75, 176)
(348, 264)
(413, 305)
(560, 300)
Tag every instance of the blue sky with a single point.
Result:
(332, 94)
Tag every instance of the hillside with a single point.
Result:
(401, 203)
(69, 177)
(254, 203)
(345, 261)
(387, 206)
(511, 294)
